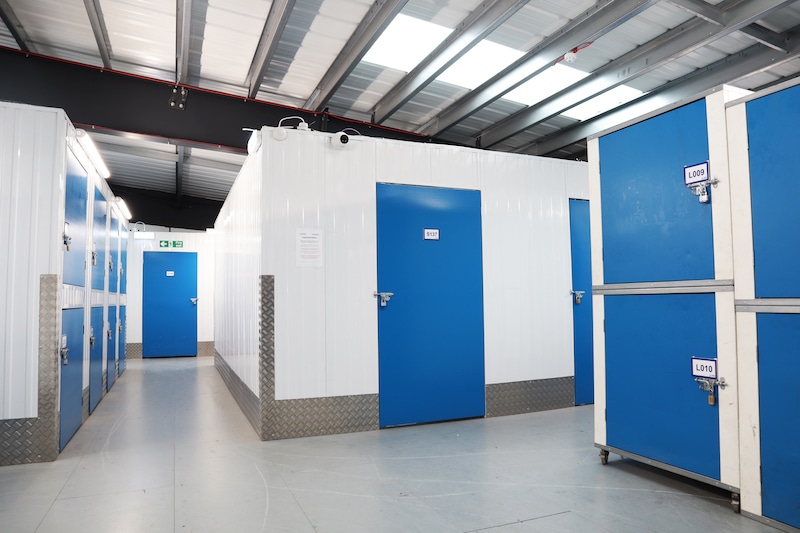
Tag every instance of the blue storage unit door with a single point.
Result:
(169, 310)
(430, 333)
(96, 340)
(111, 351)
(99, 231)
(121, 340)
(779, 398)
(71, 389)
(582, 303)
(654, 228)
(113, 254)
(654, 407)
(75, 223)
(774, 187)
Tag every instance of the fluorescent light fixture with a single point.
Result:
(144, 235)
(545, 84)
(622, 94)
(92, 153)
(406, 42)
(483, 61)
(124, 208)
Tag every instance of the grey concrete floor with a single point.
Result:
(169, 450)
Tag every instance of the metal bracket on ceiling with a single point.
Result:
(177, 99)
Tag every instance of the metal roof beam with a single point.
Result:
(179, 174)
(279, 13)
(663, 49)
(766, 37)
(699, 8)
(716, 15)
(588, 26)
(15, 27)
(480, 23)
(135, 151)
(750, 61)
(379, 16)
(183, 33)
(99, 29)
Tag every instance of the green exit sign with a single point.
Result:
(170, 244)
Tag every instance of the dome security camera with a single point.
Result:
(339, 140)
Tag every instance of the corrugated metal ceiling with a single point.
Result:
(309, 53)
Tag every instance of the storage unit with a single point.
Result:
(54, 208)
(763, 137)
(664, 325)
(302, 334)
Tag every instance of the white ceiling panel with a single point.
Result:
(230, 38)
(141, 33)
(57, 26)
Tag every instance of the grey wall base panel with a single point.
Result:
(248, 402)
(35, 440)
(206, 349)
(85, 401)
(770, 522)
(287, 419)
(133, 350)
(519, 397)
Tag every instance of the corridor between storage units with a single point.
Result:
(169, 451)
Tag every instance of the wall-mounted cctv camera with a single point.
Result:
(340, 140)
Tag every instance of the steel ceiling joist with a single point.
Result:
(589, 26)
(752, 60)
(16, 28)
(99, 29)
(480, 23)
(179, 174)
(717, 15)
(183, 38)
(379, 16)
(674, 43)
(279, 13)
(135, 151)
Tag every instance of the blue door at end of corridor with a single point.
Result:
(430, 332)
(582, 301)
(169, 308)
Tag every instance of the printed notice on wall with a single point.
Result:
(309, 247)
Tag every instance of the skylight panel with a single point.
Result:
(546, 84)
(617, 96)
(406, 42)
(483, 61)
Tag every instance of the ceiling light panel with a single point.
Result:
(604, 102)
(406, 42)
(546, 84)
(482, 62)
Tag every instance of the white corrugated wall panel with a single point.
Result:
(238, 237)
(32, 180)
(351, 322)
(325, 315)
(294, 193)
(526, 269)
(200, 242)
(141, 33)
